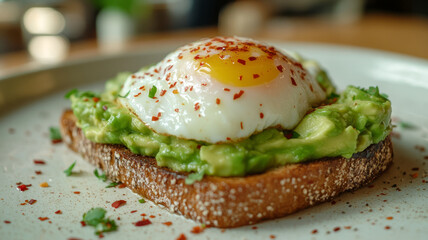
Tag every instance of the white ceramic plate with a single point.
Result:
(395, 206)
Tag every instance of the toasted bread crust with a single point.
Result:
(232, 201)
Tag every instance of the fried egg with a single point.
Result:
(222, 89)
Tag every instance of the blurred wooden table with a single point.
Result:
(400, 34)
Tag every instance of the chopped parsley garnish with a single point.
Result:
(142, 200)
(96, 218)
(112, 184)
(152, 92)
(101, 177)
(55, 134)
(406, 125)
(72, 92)
(118, 95)
(68, 171)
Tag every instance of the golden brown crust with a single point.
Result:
(234, 201)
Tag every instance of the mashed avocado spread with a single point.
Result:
(344, 125)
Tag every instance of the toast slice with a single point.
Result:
(233, 201)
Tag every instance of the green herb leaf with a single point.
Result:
(295, 134)
(142, 200)
(70, 93)
(118, 95)
(94, 216)
(68, 171)
(112, 184)
(406, 125)
(55, 134)
(101, 177)
(152, 91)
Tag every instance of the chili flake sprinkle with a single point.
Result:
(182, 237)
(38, 172)
(280, 68)
(37, 161)
(197, 106)
(243, 62)
(252, 58)
(44, 184)
(143, 222)
(238, 95)
(32, 201)
(118, 203)
(217, 101)
(293, 81)
(197, 230)
(23, 187)
(242, 125)
(7, 222)
(167, 223)
(58, 212)
(154, 118)
(43, 218)
(256, 76)
(262, 115)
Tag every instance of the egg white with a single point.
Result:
(193, 105)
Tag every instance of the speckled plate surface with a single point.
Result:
(395, 206)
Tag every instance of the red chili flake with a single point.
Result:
(315, 231)
(241, 61)
(162, 93)
(256, 76)
(143, 222)
(168, 76)
(414, 175)
(204, 84)
(152, 216)
(22, 188)
(201, 63)
(167, 223)
(133, 76)
(272, 236)
(138, 94)
(154, 119)
(336, 229)
(293, 81)
(280, 68)
(310, 87)
(43, 218)
(122, 185)
(387, 227)
(38, 172)
(389, 218)
(182, 237)
(143, 88)
(238, 95)
(58, 212)
(172, 85)
(118, 203)
(242, 125)
(82, 223)
(347, 227)
(252, 58)
(170, 66)
(226, 89)
(7, 222)
(176, 110)
(76, 192)
(32, 201)
(197, 106)
(254, 227)
(36, 161)
(133, 211)
(95, 99)
(197, 57)
(217, 101)
(191, 88)
(262, 115)
(197, 230)
(100, 235)
(159, 114)
(143, 214)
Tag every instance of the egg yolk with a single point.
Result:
(240, 68)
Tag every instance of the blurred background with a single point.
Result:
(49, 30)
